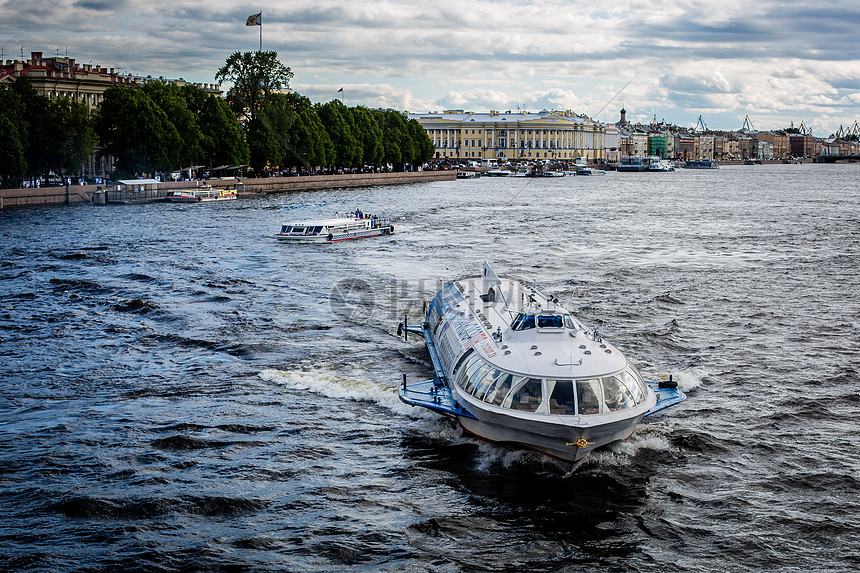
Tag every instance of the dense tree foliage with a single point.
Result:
(310, 144)
(334, 116)
(137, 132)
(254, 76)
(369, 135)
(162, 127)
(40, 134)
(13, 138)
(222, 140)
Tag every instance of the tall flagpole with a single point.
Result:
(261, 31)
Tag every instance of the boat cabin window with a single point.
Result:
(635, 384)
(500, 388)
(588, 394)
(553, 321)
(484, 383)
(526, 396)
(316, 230)
(470, 367)
(523, 322)
(616, 395)
(297, 231)
(463, 358)
(434, 319)
(568, 321)
(560, 397)
(476, 376)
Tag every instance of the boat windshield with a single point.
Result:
(523, 322)
(590, 396)
(554, 321)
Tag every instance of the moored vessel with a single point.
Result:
(661, 165)
(701, 164)
(513, 366)
(201, 194)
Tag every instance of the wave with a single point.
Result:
(688, 379)
(332, 384)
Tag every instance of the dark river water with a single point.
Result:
(182, 392)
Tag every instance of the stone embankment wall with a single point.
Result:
(47, 196)
(279, 184)
(84, 193)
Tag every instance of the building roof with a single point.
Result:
(505, 118)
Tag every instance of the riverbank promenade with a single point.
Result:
(73, 194)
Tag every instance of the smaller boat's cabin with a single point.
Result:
(327, 227)
(302, 230)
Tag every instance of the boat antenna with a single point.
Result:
(515, 195)
(618, 94)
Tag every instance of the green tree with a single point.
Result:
(13, 138)
(333, 115)
(310, 143)
(172, 101)
(137, 132)
(394, 137)
(369, 135)
(222, 139)
(70, 136)
(37, 151)
(254, 75)
(264, 147)
(422, 145)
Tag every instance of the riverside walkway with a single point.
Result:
(73, 194)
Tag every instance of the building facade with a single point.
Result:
(63, 76)
(506, 136)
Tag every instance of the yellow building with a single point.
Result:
(508, 136)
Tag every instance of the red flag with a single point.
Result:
(340, 90)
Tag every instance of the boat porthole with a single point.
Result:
(538, 353)
(587, 352)
(607, 351)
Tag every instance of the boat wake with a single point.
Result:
(688, 379)
(332, 384)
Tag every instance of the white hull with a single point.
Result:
(332, 238)
(566, 438)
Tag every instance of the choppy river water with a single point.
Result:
(181, 392)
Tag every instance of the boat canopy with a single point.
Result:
(587, 396)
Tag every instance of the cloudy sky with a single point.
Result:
(777, 62)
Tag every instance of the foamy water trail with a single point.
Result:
(332, 384)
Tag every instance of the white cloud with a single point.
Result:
(778, 59)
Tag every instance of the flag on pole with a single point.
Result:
(490, 277)
(340, 91)
(255, 19)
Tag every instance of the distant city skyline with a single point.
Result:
(777, 62)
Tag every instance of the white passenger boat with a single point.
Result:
(513, 366)
(496, 172)
(337, 229)
(583, 171)
(661, 165)
(201, 194)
